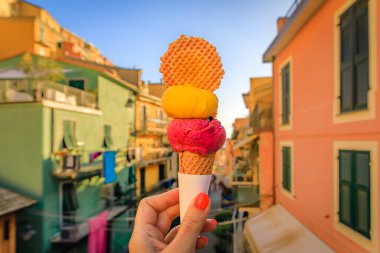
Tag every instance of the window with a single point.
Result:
(143, 117)
(354, 57)
(285, 78)
(142, 180)
(286, 169)
(78, 83)
(107, 142)
(159, 114)
(69, 203)
(6, 229)
(69, 138)
(42, 33)
(354, 190)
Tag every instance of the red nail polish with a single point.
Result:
(214, 221)
(202, 200)
(204, 239)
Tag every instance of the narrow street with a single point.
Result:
(216, 243)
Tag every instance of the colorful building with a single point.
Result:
(326, 123)
(259, 102)
(250, 149)
(26, 27)
(158, 166)
(68, 144)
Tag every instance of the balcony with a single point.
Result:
(75, 233)
(261, 120)
(12, 91)
(152, 125)
(75, 166)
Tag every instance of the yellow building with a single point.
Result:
(157, 164)
(27, 27)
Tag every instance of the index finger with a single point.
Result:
(150, 207)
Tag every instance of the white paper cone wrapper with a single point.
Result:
(189, 187)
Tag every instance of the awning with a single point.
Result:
(275, 230)
(245, 141)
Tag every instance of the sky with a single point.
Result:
(135, 34)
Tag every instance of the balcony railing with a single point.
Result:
(153, 125)
(85, 164)
(262, 120)
(30, 90)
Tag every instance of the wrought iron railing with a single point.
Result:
(32, 90)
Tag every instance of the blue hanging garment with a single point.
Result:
(109, 165)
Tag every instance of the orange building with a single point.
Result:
(26, 27)
(326, 122)
(259, 102)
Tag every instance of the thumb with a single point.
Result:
(192, 224)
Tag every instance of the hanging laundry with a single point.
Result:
(97, 233)
(109, 165)
(95, 155)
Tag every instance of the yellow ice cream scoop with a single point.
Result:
(189, 102)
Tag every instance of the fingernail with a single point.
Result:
(202, 200)
(204, 239)
(214, 221)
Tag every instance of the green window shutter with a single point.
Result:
(361, 58)
(346, 63)
(354, 60)
(354, 190)
(67, 135)
(345, 178)
(286, 169)
(285, 73)
(362, 193)
(107, 143)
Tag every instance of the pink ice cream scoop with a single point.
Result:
(201, 136)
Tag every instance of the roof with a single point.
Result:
(275, 230)
(156, 89)
(108, 71)
(299, 17)
(12, 202)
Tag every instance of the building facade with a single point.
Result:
(259, 102)
(67, 144)
(250, 149)
(157, 167)
(326, 121)
(29, 28)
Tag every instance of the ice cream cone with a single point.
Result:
(194, 177)
(195, 164)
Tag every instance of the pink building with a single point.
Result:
(327, 130)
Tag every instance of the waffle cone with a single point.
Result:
(191, 163)
(193, 61)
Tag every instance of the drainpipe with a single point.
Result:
(273, 138)
(52, 131)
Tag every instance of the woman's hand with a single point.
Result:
(153, 220)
